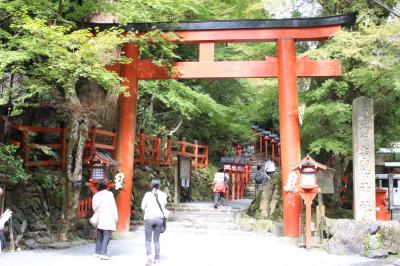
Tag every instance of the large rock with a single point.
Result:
(266, 195)
(390, 236)
(44, 240)
(377, 253)
(348, 236)
(30, 243)
(38, 226)
(374, 242)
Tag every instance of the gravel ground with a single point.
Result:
(185, 248)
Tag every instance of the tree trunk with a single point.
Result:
(77, 133)
(341, 164)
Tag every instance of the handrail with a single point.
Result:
(61, 146)
(148, 149)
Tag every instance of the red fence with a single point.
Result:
(149, 150)
(97, 139)
(84, 208)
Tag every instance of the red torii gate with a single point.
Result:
(286, 67)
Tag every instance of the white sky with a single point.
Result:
(284, 8)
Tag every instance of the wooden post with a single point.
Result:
(169, 150)
(126, 134)
(206, 160)
(233, 184)
(92, 133)
(289, 129)
(261, 148)
(279, 155)
(157, 155)
(114, 143)
(308, 196)
(196, 154)
(25, 147)
(142, 144)
(176, 182)
(63, 146)
(183, 148)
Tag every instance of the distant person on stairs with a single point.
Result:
(269, 168)
(219, 187)
(153, 205)
(259, 178)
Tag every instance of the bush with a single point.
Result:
(11, 165)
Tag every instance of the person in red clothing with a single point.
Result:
(219, 187)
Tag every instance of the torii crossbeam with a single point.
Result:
(285, 66)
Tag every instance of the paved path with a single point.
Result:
(191, 246)
(193, 249)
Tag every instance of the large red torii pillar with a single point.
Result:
(286, 67)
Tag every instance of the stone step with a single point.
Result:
(228, 206)
(186, 231)
(203, 226)
(201, 218)
(220, 209)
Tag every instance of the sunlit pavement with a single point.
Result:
(185, 248)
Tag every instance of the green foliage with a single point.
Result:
(11, 165)
(370, 61)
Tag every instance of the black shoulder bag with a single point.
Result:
(164, 218)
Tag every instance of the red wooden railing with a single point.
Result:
(149, 151)
(148, 148)
(59, 147)
(84, 208)
(28, 147)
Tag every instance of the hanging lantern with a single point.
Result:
(97, 171)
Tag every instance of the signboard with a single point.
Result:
(185, 170)
(325, 181)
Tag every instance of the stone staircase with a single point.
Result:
(201, 217)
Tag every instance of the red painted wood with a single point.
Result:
(289, 129)
(126, 135)
(104, 146)
(104, 132)
(238, 69)
(43, 163)
(206, 51)
(257, 35)
(36, 129)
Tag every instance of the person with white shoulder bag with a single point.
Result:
(155, 216)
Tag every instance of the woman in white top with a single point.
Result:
(103, 203)
(4, 217)
(153, 218)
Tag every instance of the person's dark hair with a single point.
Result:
(155, 183)
(101, 185)
(259, 167)
(221, 170)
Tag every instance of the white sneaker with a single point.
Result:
(149, 260)
(104, 257)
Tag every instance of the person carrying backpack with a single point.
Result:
(219, 188)
(259, 178)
